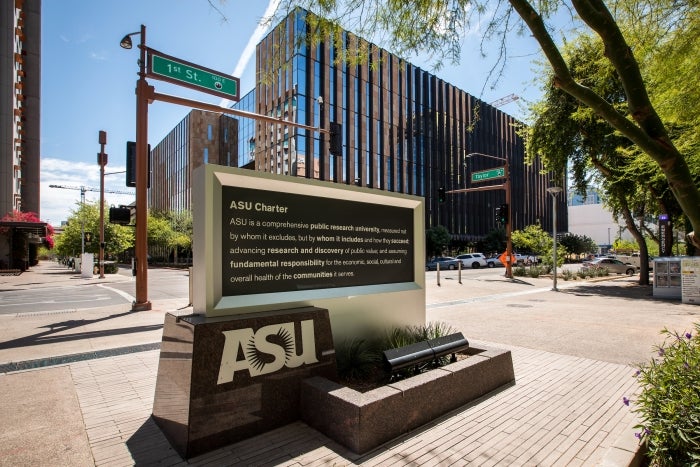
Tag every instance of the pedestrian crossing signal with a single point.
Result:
(442, 197)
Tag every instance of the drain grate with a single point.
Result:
(79, 357)
(33, 314)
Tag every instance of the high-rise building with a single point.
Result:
(403, 130)
(20, 78)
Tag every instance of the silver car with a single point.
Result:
(445, 262)
(612, 265)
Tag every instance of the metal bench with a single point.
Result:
(10, 272)
(424, 352)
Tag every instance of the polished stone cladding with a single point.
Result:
(221, 380)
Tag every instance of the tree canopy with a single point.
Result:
(438, 27)
(86, 218)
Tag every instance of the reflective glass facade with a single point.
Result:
(200, 138)
(403, 129)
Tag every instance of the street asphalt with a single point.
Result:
(612, 321)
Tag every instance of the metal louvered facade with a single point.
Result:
(404, 130)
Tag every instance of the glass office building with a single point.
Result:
(403, 130)
(200, 138)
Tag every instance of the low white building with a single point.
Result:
(591, 218)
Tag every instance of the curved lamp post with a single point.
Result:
(141, 244)
(554, 191)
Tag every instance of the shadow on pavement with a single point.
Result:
(50, 335)
(623, 290)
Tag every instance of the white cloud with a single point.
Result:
(99, 56)
(57, 204)
(249, 49)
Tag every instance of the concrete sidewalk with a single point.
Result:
(565, 408)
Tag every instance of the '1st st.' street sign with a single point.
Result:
(176, 71)
(498, 172)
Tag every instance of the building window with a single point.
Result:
(210, 132)
(206, 155)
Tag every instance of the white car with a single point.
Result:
(472, 260)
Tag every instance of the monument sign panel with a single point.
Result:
(262, 240)
(274, 243)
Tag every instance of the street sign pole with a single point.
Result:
(141, 244)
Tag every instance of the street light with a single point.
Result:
(141, 248)
(102, 161)
(554, 191)
(509, 217)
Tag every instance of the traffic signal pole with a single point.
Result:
(506, 187)
(509, 231)
(141, 244)
(145, 94)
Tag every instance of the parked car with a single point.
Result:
(472, 260)
(635, 260)
(494, 262)
(612, 265)
(526, 259)
(445, 262)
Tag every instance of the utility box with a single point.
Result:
(87, 261)
(667, 277)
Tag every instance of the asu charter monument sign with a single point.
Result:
(283, 268)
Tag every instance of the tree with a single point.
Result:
(86, 218)
(577, 244)
(170, 231)
(437, 240)
(437, 28)
(160, 233)
(565, 132)
(533, 238)
(493, 242)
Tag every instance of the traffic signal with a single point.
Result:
(87, 237)
(503, 214)
(120, 215)
(336, 134)
(498, 215)
(441, 194)
(336, 137)
(131, 164)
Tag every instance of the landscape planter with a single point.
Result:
(361, 421)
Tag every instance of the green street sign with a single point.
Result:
(176, 71)
(498, 172)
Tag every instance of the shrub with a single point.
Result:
(356, 359)
(520, 271)
(361, 359)
(535, 271)
(669, 403)
(567, 275)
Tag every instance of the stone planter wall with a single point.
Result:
(363, 421)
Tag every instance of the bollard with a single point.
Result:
(459, 273)
(437, 270)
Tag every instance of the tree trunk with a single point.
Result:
(641, 242)
(649, 133)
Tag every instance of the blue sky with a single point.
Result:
(88, 80)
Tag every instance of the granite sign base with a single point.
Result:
(221, 380)
(362, 421)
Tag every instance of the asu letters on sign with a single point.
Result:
(267, 350)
